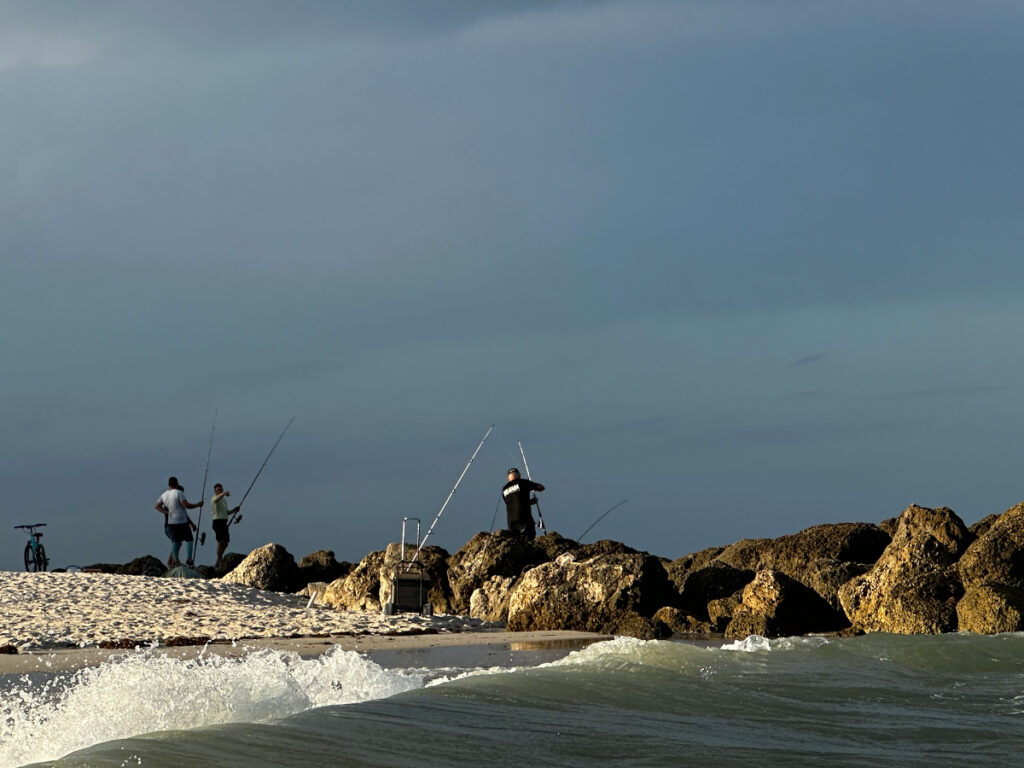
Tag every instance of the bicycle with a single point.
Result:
(35, 555)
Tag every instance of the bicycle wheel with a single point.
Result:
(30, 558)
(41, 559)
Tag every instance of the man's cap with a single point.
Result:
(513, 470)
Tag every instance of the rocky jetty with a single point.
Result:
(923, 571)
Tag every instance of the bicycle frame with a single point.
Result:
(35, 554)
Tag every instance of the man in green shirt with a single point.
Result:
(220, 521)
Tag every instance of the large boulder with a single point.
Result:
(681, 622)
(554, 544)
(635, 625)
(826, 577)
(991, 608)
(997, 556)
(889, 525)
(360, 589)
(981, 527)
(809, 555)
(147, 565)
(270, 567)
(589, 595)
(232, 561)
(914, 587)
(775, 605)
(603, 547)
(431, 562)
(680, 568)
(720, 611)
(489, 601)
(711, 582)
(486, 555)
(321, 566)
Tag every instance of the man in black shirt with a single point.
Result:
(516, 493)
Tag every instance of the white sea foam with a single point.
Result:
(619, 649)
(624, 648)
(144, 692)
(756, 643)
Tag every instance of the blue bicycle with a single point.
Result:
(35, 555)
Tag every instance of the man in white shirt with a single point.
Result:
(172, 503)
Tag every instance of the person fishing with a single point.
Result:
(221, 513)
(517, 495)
(172, 503)
(168, 533)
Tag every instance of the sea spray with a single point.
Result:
(147, 691)
(879, 700)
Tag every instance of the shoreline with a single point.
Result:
(65, 622)
(484, 647)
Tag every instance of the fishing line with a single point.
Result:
(602, 517)
(509, 452)
(235, 515)
(495, 516)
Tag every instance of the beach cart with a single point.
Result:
(410, 583)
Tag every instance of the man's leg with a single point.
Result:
(175, 549)
(221, 546)
(188, 551)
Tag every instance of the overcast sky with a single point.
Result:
(753, 266)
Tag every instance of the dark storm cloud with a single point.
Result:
(605, 226)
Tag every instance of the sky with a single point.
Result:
(753, 266)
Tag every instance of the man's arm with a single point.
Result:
(159, 507)
(189, 505)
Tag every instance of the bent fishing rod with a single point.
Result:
(536, 501)
(451, 493)
(602, 517)
(236, 516)
(202, 497)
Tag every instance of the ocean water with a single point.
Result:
(871, 701)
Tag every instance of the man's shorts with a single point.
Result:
(220, 530)
(181, 532)
(527, 530)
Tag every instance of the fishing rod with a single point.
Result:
(495, 515)
(536, 501)
(602, 517)
(235, 516)
(206, 472)
(452, 493)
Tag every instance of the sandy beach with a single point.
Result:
(62, 621)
